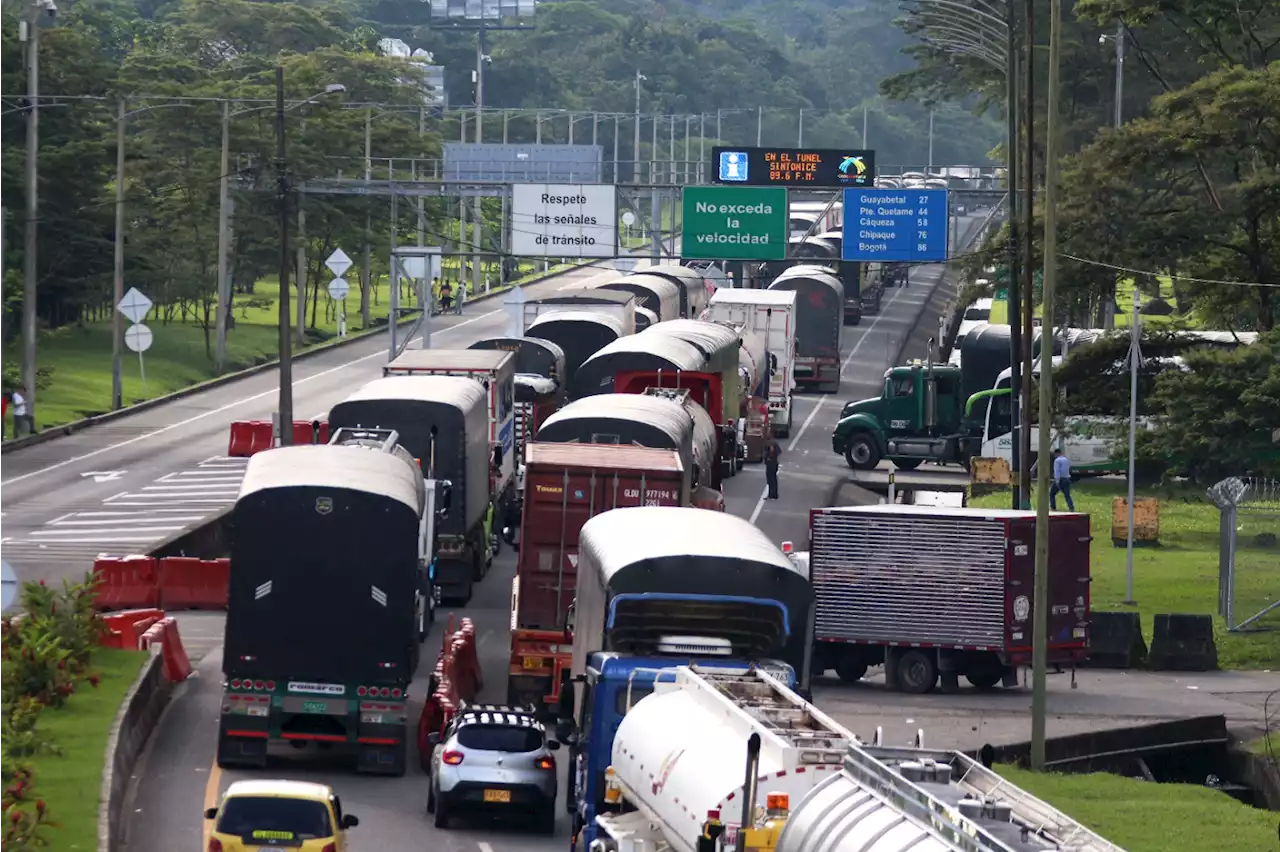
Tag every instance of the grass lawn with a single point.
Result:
(1181, 575)
(180, 356)
(1265, 745)
(1140, 816)
(71, 782)
(1124, 309)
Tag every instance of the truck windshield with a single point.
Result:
(302, 819)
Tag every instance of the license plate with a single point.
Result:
(533, 662)
(497, 795)
(314, 706)
(258, 711)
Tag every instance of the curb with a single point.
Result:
(210, 384)
(130, 732)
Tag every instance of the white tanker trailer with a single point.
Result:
(691, 760)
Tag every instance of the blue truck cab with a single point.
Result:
(658, 588)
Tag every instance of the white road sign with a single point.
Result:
(137, 338)
(338, 263)
(134, 305)
(338, 289)
(564, 220)
(10, 585)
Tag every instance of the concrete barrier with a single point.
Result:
(1115, 641)
(136, 719)
(1183, 643)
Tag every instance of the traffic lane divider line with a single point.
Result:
(198, 417)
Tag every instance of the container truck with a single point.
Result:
(771, 315)
(719, 344)
(568, 484)
(444, 418)
(495, 370)
(934, 593)
(580, 333)
(654, 292)
(819, 321)
(660, 587)
(307, 582)
(649, 351)
(619, 305)
(694, 291)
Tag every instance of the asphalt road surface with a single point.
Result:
(127, 485)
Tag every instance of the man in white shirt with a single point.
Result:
(22, 422)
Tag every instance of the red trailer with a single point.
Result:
(566, 485)
(935, 593)
(706, 389)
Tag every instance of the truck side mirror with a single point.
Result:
(564, 707)
(210, 813)
(445, 493)
(433, 740)
(497, 456)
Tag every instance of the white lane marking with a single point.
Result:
(129, 514)
(224, 501)
(764, 492)
(484, 847)
(142, 535)
(180, 490)
(381, 353)
(138, 515)
(205, 475)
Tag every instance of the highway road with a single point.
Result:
(126, 485)
(179, 779)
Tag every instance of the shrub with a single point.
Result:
(67, 614)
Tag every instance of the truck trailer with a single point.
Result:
(324, 629)
(646, 351)
(567, 485)
(654, 292)
(619, 305)
(770, 314)
(445, 419)
(819, 322)
(936, 593)
(495, 370)
(694, 291)
(579, 333)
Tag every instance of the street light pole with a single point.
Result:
(224, 239)
(1028, 266)
(1040, 614)
(1119, 39)
(117, 275)
(1015, 283)
(33, 211)
(635, 167)
(282, 210)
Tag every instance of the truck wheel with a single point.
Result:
(983, 680)
(917, 672)
(850, 669)
(861, 452)
(907, 464)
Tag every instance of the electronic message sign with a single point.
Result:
(814, 168)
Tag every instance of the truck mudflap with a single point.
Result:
(821, 374)
(537, 659)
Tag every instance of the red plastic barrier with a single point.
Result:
(189, 583)
(126, 582)
(254, 436)
(125, 629)
(303, 433)
(177, 667)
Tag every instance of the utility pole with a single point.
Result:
(282, 210)
(224, 239)
(1109, 309)
(1015, 283)
(864, 125)
(29, 246)
(702, 144)
(718, 112)
(929, 169)
(366, 292)
(688, 120)
(1135, 361)
(1028, 262)
(653, 152)
(1040, 614)
(477, 224)
(117, 266)
(671, 149)
(800, 130)
(422, 208)
(759, 125)
(615, 149)
(635, 177)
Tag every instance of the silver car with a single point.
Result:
(493, 759)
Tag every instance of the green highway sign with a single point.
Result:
(1002, 295)
(734, 223)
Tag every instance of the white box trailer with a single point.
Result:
(771, 314)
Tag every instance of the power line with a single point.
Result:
(1152, 274)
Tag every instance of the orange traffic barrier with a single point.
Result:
(177, 667)
(124, 630)
(125, 582)
(189, 583)
(254, 436)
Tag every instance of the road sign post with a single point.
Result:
(734, 223)
(338, 264)
(895, 225)
(135, 306)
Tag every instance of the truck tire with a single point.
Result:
(984, 680)
(907, 464)
(917, 672)
(850, 668)
(861, 452)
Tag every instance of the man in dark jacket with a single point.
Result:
(772, 452)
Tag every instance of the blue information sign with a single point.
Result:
(895, 225)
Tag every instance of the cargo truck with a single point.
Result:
(579, 333)
(771, 315)
(654, 292)
(329, 600)
(819, 322)
(447, 416)
(936, 593)
(648, 350)
(618, 305)
(495, 370)
(566, 485)
(657, 588)
(694, 291)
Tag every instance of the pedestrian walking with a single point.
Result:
(446, 297)
(462, 295)
(772, 452)
(23, 423)
(1061, 481)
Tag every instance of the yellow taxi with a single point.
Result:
(262, 816)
